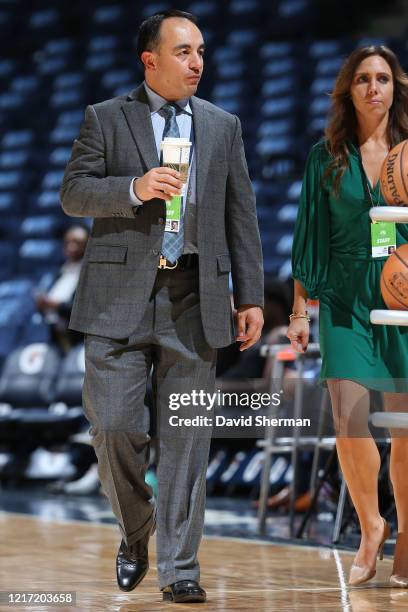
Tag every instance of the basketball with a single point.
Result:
(394, 176)
(394, 279)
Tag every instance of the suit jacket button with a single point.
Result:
(155, 252)
(161, 220)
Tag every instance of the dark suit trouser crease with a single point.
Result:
(170, 341)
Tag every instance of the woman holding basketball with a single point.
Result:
(333, 260)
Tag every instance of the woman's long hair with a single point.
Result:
(342, 122)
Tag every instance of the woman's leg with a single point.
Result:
(398, 402)
(359, 461)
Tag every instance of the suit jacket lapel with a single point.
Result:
(137, 113)
(202, 129)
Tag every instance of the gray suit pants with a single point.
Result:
(169, 341)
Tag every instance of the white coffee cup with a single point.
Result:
(176, 155)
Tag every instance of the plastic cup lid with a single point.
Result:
(177, 142)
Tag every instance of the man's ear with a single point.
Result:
(149, 60)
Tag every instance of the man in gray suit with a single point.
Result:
(153, 299)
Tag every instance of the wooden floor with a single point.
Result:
(45, 555)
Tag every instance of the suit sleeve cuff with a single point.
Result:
(135, 200)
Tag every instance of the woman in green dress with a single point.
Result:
(333, 261)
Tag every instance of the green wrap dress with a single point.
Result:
(331, 258)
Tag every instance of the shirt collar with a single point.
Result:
(156, 102)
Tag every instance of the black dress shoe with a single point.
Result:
(184, 591)
(132, 563)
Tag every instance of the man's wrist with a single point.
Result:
(245, 306)
(132, 192)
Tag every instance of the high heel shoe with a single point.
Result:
(358, 574)
(399, 577)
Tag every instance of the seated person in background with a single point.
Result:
(56, 304)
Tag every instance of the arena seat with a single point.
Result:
(39, 411)
(70, 378)
(29, 376)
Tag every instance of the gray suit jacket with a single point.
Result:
(116, 143)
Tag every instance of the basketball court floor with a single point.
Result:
(43, 550)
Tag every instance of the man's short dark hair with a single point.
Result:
(149, 31)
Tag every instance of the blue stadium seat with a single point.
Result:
(59, 46)
(70, 98)
(72, 117)
(108, 14)
(60, 157)
(227, 54)
(103, 43)
(7, 67)
(229, 89)
(287, 213)
(52, 179)
(322, 85)
(44, 18)
(279, 107)
(64, 134)
(53, 65)
(153, 7)
(316, 127)
(279, 86)
(285, 65)
(71, 377)
(276, 145)
(38, 256)
(10, 203)
(329, 66)
(68, 80)
(116, 78)
(9, 340)
(12, 100)
(25, 84)
(204, 9)
(13, 159)
(100, 61)
(243, 38)
(276, 127)
(325, 48)
(11, 179)
(48, 200)
(17, 138)
(277, 50)
(8, 258)
(14, 311)
(45, 226)
(232, 69)
(245, 14)
(320, 105)
(29, 376)
(16, 287)
(35, 330)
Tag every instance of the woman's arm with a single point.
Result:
(298, 330)
(299, 301)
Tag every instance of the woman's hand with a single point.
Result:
(298, 334)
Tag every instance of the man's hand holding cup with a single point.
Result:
(163, 183)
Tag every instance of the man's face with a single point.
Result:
(75, 241)
(174, 69)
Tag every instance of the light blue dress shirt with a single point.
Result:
(184, 121)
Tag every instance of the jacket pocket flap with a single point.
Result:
(224, 263)
(107, 253)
